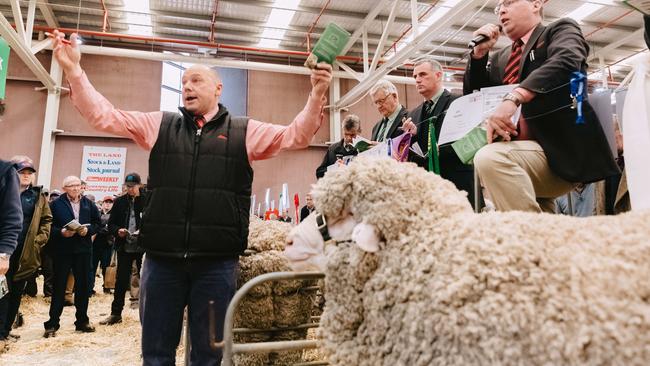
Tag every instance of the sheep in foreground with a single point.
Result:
(416, 278)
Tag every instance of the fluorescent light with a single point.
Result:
(278, 20)
(584, 11)
(137, 17)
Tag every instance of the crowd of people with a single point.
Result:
(66, 236)
(533, 164)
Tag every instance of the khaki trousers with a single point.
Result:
(517, 176)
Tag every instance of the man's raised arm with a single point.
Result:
(98, 111)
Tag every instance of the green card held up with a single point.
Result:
(467, 146)
(329, 45)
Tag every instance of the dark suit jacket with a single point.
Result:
(120, 216)
(575, 152)
(330, 157)
(451, 168)
(393, 131)
(62, 214)
(304, 212)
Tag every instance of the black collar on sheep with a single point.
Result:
(321, 223)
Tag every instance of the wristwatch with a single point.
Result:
(513, 98)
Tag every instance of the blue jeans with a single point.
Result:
(166, 287)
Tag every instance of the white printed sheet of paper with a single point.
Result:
(470, 110)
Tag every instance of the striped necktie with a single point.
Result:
(200, 121)
(511, 74)
(512, 77)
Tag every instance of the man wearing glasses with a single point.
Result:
(548, 151)
(72, 245)
(385, 98)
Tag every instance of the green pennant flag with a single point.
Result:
(4, 61)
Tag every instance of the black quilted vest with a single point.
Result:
(199, 188)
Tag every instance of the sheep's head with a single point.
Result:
(370, 202)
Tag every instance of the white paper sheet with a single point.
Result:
(469, 111)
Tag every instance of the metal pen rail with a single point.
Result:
(230, 348)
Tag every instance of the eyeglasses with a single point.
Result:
(505, 3)
(72, 186)
(379, 102)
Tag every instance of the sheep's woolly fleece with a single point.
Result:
(450, 287)
(272, 304)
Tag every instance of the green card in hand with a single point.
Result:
(467, 146)
(329, 45)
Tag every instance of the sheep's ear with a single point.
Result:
(366, 236)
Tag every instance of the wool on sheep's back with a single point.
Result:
(456, 288)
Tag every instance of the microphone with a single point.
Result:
(481, 38)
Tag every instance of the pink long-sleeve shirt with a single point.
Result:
(263, 140)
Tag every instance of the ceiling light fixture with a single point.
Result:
(584, 11)
(138, 17)
(279, 19)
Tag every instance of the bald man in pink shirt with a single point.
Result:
(195, 222)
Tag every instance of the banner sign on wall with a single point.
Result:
(102, 168)
(4, 62)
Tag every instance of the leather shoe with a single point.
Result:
(112, 319)
(50, 332)
(85, 328)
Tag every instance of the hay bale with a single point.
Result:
(255, 312)
(267, 235)
(251, 359)
(290, 335)
(252, 337)
(292, 286)
(258, 264)
(313, 354)
(285, 358)
(291, 310)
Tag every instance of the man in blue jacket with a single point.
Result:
(11, 221)
(72, 251)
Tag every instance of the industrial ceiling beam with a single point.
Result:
(457, 12)
(29, 28)
(364, 25)
(604, 51)
(18, 18)
(384, 35)
(48, 14)
(17, 44)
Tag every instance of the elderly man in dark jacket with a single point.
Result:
(11, 218)
(72, 250)
(34, 235)
(124, 224)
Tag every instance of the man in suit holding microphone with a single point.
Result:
(549, 150)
